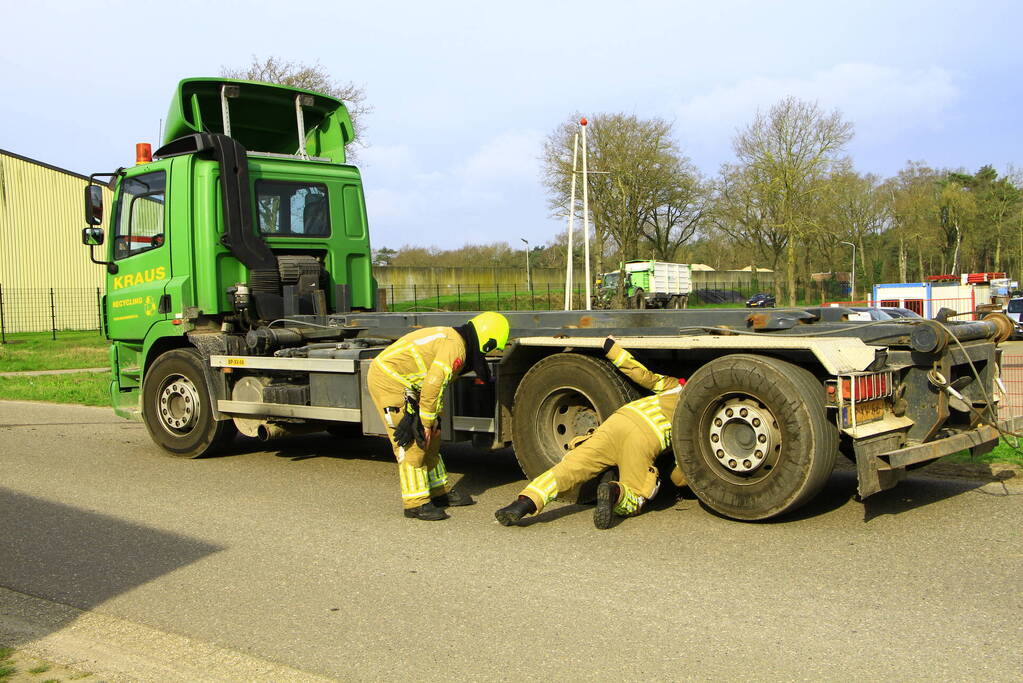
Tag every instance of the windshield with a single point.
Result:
(611, 280)
(1015, 306)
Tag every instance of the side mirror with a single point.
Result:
(92, 237)
(93, 207)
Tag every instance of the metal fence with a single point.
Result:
(1012, 379)
(49, 310)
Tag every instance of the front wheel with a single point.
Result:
(752, 436)
(177, 408)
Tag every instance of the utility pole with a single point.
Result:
(586, 219)
(529, 276)
(571, 228)
(852, 275)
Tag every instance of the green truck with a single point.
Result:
(647, 284)
(240, 298)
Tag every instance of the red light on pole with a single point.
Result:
(143, 153)
(582, 121)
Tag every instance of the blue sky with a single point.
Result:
(465, 92)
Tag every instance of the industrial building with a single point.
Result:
(46, 278)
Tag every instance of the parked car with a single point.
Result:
(865, 313)
(1014, 309)
(761, 300)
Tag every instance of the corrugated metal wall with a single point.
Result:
(41, 221)
(47, 281)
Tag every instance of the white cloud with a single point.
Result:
(881, 101)
(407, 203)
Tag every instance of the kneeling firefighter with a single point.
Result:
(630, 439)
(407, 382)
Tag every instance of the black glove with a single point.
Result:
(608, 343)
(410, 428)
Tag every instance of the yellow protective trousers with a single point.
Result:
(618, 442)
(421, 472)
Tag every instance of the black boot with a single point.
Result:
(510, 514)
(604, 516)
(427, 511)
(453, 499)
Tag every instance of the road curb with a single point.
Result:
(119, 650)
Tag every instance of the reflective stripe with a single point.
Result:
(413, 380)
(662, 382)
(545, 487)
(649, 409)
(622, 357)
(427, 340)
(629, 503)
(438, 476)
(413, 482)
(440, 394)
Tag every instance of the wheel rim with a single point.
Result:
(564, 415)
(178, 405)
(744, 439)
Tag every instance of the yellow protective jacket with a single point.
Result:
(425, 361)
(653, 412)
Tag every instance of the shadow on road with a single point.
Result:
(79, 558)
(914, 493)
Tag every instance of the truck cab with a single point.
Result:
(233, 223)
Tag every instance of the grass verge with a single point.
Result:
(87, 388)
(16, 664)
(38, 351)
(1002, 453)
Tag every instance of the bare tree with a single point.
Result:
(309, 77)
(646, 191)
(790, 154)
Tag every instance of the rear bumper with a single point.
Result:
(982, 438)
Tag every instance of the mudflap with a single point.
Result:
(872, 473)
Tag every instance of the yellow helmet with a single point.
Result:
(491, 330)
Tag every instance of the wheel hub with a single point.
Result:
(743, 434)
(179, 405)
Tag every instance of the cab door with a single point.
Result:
(135, 293)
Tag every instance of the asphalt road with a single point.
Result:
(295, 560)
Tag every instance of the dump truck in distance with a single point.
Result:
(647, 284)
(240, 298)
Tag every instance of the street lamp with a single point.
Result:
(852, 284)
(529, 276)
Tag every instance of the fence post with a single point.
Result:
(3, 326)
(458, 294)
(99, 311)
(497, 286)
(515, 296)
(479, 298)
(390, 304)
(53, 315)
(437, 289)
(415, 297)
(532, 302)
(548, 296)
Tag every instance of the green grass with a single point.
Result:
(6, 670)
(1002, 453)
(38, 351)
(41, 669)
(88, 388)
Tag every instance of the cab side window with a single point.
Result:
(140, 219)
(292, 209)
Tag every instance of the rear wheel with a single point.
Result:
(177, 408)
(639, 299)
(561, 398)
(752, 437)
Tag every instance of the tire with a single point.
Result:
(674, 302)
(177, 409)
(639, 299)
(561, 397)
(785, 421)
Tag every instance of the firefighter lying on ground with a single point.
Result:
(630, 439)
(407, 382)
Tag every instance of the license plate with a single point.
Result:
(868, 411)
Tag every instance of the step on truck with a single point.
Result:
(240, 298)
